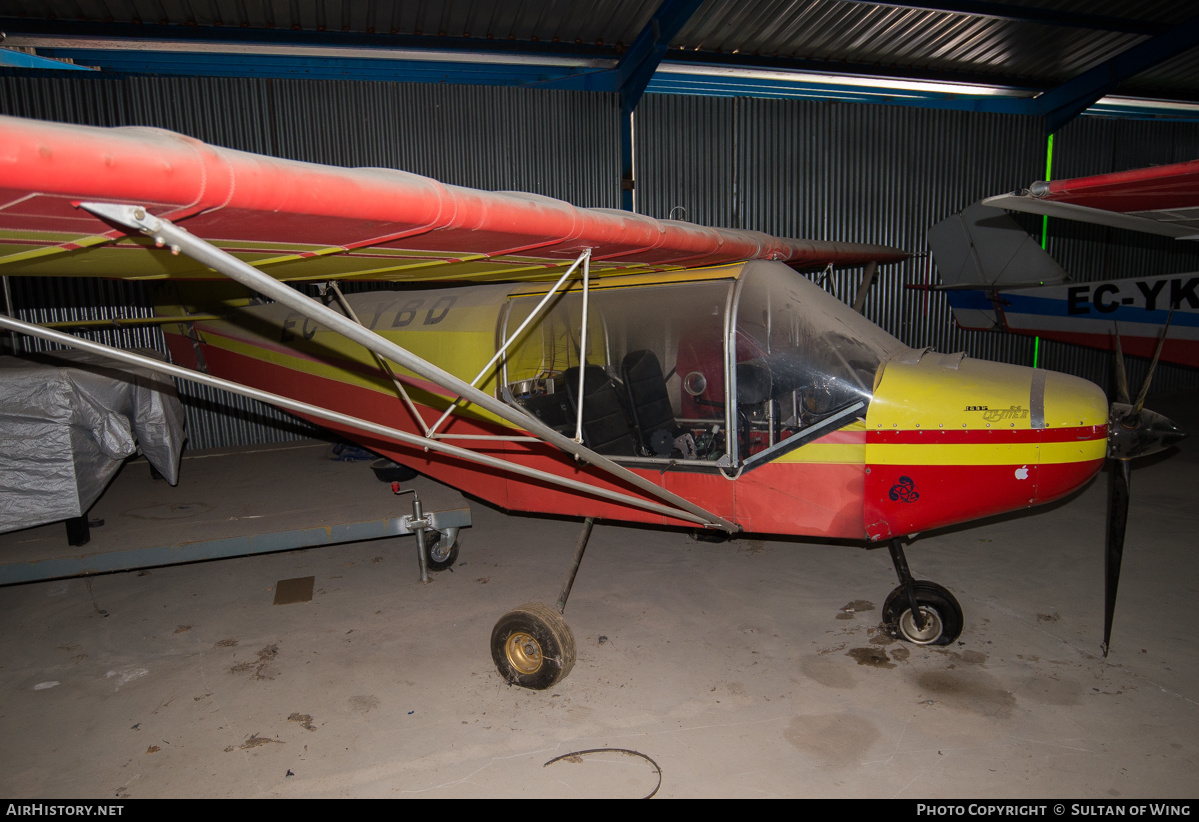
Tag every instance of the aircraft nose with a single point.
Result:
(1132, 433)
(1073, 430)
(951, 439)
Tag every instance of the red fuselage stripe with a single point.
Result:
(990, 436)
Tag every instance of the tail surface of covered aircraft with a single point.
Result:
(997, 277)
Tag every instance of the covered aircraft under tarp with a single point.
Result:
(67, 424)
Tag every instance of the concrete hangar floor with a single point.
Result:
(753, 668)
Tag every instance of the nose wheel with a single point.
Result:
(940, 614)
(919, 611)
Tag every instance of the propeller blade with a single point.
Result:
(1132, 431)
(1121, 374)
(1140, 403)
(1116, 521)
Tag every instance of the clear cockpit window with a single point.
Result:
(651, 372)
(800, 356)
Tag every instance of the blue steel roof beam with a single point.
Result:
(1062, 104)
(635, 71)
(638, 65)
(182, 63)
(19, 59)
(1027, 14)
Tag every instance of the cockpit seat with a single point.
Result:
(649, 405)
(606, 428)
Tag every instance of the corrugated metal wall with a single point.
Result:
(561, 144)
(823, 170)
(884, 174)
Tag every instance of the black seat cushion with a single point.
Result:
(649, 401)
(606, 428)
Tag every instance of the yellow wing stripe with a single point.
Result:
(75, 244)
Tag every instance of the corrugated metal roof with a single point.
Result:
(924, 40)
(609, 22)
(1036, 44)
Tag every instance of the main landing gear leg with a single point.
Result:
(532, 645)
(920, 611)
(580, 547)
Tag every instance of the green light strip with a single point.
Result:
(1048, 177)
(1036, 346)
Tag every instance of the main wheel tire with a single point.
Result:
(532, 647)
(942, 615)
(440, 555)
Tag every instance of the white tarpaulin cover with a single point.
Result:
(66, 425)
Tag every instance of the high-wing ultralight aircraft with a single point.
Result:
(997, 277)
(592, 363)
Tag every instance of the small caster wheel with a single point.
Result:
(442, 551)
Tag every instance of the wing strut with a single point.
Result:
(585, 259)
(582, 352)
(164, 232)
(383, 365)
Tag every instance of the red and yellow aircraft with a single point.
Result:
(592, 363)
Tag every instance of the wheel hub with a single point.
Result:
(437, 551)
(523, 652)
(932, 626)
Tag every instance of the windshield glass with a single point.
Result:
(800, 355)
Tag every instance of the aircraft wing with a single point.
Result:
(1159, 200)
(303, 221)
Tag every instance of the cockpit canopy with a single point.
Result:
(665, 371)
